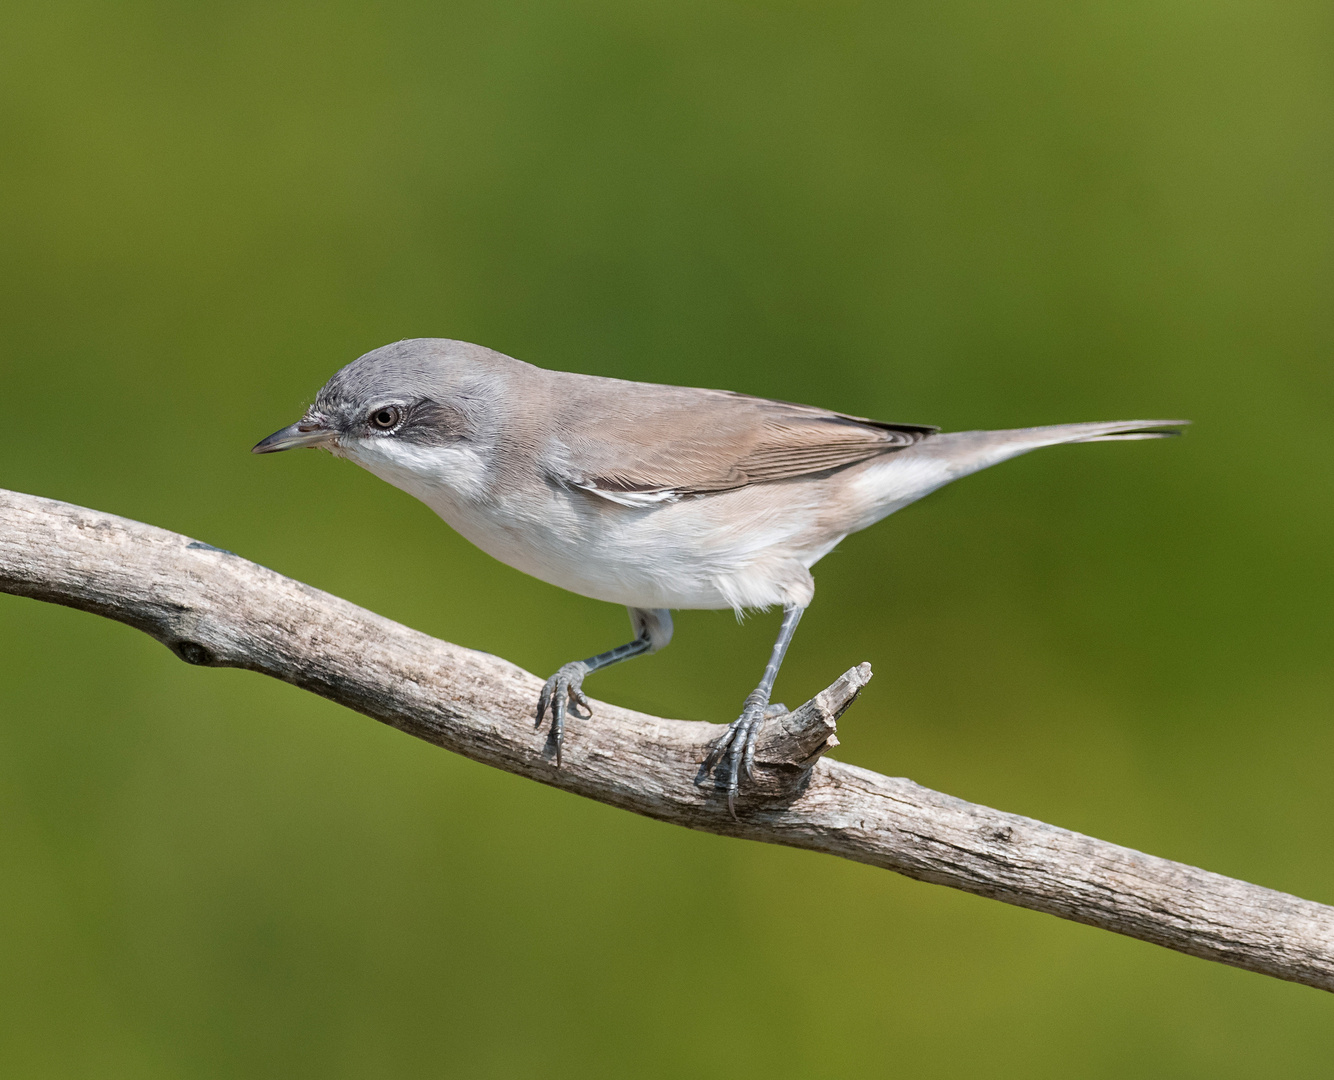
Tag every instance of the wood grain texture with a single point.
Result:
(214, 608)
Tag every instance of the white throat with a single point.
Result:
(455, 472)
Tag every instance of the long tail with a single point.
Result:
(906, 476)
(975, 450)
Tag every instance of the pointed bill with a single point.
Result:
(302, 433)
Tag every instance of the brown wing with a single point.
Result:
(642, 444)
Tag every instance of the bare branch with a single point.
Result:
(213, 608)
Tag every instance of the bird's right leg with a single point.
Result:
(737, 744)
(564, 690)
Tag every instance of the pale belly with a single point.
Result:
(690, 554)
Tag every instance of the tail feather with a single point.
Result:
(968, 451)
(1131, 436)
(907, 475)
(1122, 430)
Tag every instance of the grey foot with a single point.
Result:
(736, 746)
(563, 692)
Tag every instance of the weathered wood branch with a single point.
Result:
(213, 608)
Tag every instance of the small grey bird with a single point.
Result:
(655, 497)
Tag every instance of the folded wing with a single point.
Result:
(657, 444)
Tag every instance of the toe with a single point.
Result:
(748, 754)
(558, 725)
(579, 705)
(734, 771)
(542, 701)
(719, 748)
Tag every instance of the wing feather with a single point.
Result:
(648, 444)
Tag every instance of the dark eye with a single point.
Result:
(386, 417)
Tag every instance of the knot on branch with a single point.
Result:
(790, 743)
(192, 653)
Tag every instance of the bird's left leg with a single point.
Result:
(564, 690)
(738, 741)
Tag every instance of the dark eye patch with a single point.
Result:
(429, 423)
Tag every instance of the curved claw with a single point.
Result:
(563, 693)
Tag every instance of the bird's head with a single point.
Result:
(419, 413)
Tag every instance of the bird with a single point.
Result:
(656, 497)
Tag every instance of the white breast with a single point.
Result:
(741, 549)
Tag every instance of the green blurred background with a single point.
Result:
(974, 214)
